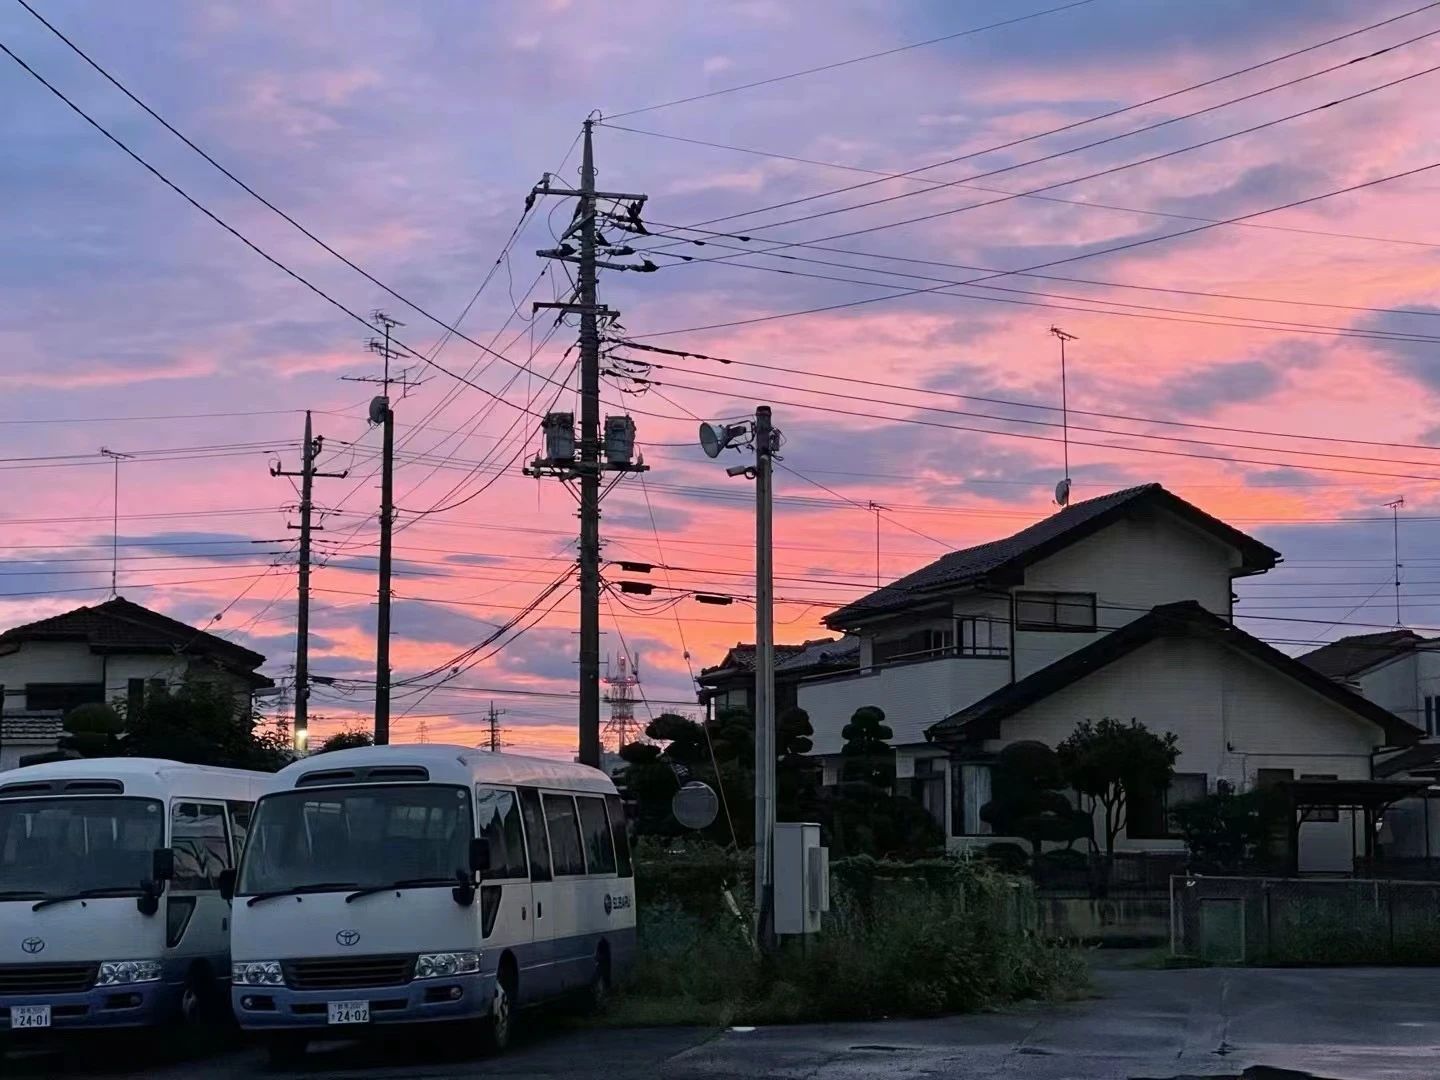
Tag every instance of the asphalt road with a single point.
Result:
(1351, 1024)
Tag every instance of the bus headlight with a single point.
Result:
(122, 972)
(257, 973)
(440, 964)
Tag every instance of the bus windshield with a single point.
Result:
(53, 847)
(357, 837)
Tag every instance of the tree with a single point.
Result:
(796, 776)
(92, 731)
(203, 722)
(868, 756)
(1027, 782)
(349, 739)
(1225, 831)
(1106, 762)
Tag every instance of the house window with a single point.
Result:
(969, 791)
(1055, 611)
(920, 644)
(1151, 815)
(981, 635)
(928, 788)
(1432, 715)
(62, 697)
(1322, 813)
(134, 695)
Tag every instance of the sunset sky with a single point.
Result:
(1281, 372)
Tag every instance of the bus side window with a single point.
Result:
(565, 844)
(240, 814)
(202, 848)
(617, 830)
(536, 838)
(497, 819)
(595, 828)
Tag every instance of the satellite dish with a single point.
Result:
(713, 438)
(695, 805)
(1062, 492)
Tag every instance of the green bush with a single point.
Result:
(901, 939)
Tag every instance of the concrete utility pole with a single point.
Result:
(588, 467)
(307, 474)
(764, 680)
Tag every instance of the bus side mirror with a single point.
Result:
(162, 865)
(480, 855)
(227, 884)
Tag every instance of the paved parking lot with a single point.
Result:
(1351, 1024)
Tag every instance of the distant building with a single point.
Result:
(115, 651)
(730, 684)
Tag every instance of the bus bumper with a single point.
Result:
(278, 1008)
(135, 1005)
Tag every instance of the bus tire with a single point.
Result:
(497, 1027)
(286, 1050)
(199, 999)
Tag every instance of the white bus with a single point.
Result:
(110, 907)
(403, 884)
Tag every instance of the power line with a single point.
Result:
(853, 60)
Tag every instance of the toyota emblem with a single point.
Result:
(347, 937)
(32, 945)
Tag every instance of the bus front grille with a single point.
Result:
(47, 978)
(339, 973)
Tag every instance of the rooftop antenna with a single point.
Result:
(116, 456)
(875, 508)
(1395, 506)
(1062, 489)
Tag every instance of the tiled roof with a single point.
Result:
(988, 561)
(30, 729)
(1425, 757)
(118, 625)
(1352, 655)
(1186, 619)
(788, 658)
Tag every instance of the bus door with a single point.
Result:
(197, 917)
(505, 899)
(539, 977)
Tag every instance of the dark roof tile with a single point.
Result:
(1351, 655)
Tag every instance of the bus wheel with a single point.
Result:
(197, 1000)
(496, 1028)
(286, 1050)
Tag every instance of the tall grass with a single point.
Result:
(949, 939)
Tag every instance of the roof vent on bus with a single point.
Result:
(391, 773)
(20, 791)
(378, 774)
(329, 776)
(93, 787)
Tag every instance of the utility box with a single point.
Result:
(559, 429)
(802, 878)
(619, 440)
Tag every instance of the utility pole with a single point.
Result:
(588, 467)
(116, 456)
(493, 723)
(383, 416)
(764, 680)
(311, 448)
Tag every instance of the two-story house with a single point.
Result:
(1119, 606)
(730, 684)
(115, 651)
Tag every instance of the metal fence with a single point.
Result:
(1305, 920)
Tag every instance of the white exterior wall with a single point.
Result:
(1232, 716)
(73, 662)
(1396, 686)
(1131, 566)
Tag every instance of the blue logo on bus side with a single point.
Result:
(616, 903)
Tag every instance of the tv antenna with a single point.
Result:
(1062, 489)
(116, 456)
(1395, 506)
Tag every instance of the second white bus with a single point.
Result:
(414, 884)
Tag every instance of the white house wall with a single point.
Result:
(1395, 686)
(73, 662)
(1132, 566)
(914, 696)
(1232, 716)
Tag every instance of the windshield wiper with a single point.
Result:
(84, 894)
(406, 883)
(296, 890)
